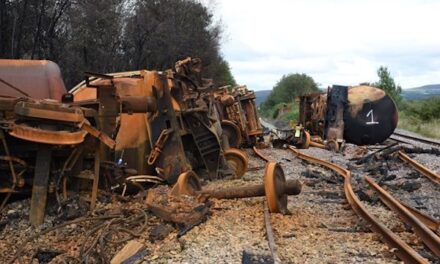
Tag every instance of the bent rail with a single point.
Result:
(419, 167)
(414, 138)
(404, 251)
(428, 237)
(259, 154)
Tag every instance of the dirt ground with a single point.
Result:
(321, 228)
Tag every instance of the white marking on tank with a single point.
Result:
(372, 122)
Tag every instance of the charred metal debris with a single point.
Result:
(361, 115)
(124, 133)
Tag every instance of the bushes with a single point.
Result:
(424, 109)
(286, 90)
(422, 116)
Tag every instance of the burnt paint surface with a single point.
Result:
(40, 79)
(374, 123)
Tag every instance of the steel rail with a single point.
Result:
(316, 145)
(419, 167)
(259, 154)
(403, 250)
(431, 240)
(423, 140)
(267, 224)
(269, 236)
(430, 222)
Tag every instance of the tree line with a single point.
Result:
(112, 35)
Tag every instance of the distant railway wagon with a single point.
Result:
(361, 115)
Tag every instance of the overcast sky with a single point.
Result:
(335, 42)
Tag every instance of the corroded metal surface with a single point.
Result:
(40, 79)
(181, 134)
(274, 188)
(113, 130)
(237, 106)
(237, 160)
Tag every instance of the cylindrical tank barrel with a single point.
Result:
(371, 116)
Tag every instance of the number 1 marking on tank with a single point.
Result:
(372, 122)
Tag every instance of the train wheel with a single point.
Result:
(305, 144)
(332, 145)
(238, 161)
(274, 184)
(188, 183)
(232, 132)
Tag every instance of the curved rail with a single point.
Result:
(419, 167)
(430, 222)
(259, 154)
(428, 237)
(423, 140)
(404, 251)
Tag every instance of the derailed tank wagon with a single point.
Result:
(113, 131)
(182, 135)
(361, 115)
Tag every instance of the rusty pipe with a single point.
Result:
(292, 187)
(138, 104)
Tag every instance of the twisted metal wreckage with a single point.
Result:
(122, 131)
(361, 115)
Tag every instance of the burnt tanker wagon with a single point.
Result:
(361, 115)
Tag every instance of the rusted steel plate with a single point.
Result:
(404, 251)
(49, 110)
(39, 78)
(428, 237)
(419, 167)
(47, 136)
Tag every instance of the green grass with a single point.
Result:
(429, 128)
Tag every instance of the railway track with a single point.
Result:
(404, 138)
(419, 167)
(422, 224)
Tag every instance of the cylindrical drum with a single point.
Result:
(371, 116)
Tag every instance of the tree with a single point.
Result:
(386, 83)
(159, 33)
(113, 35)
(222, 74)
(288, 88)
(94, 37)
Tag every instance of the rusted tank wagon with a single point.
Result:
(125, 128)
(38, 79)
(361, 115)
(182, 135)
(239, 115)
